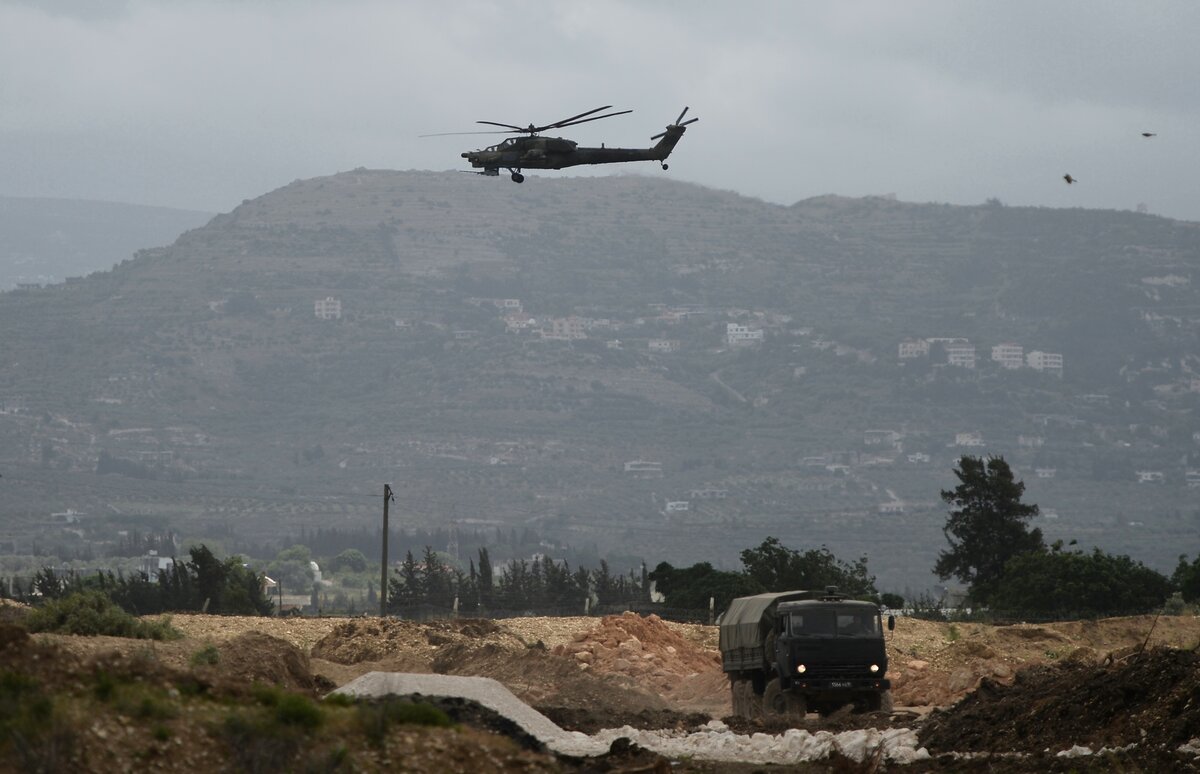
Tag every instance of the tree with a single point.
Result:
(405, 588)
(437, 586)
(775, 567)
(485, 579)
(351, 559)
(1186, 579)
(210, 574)
(691, 587)
(1068, 585)
(986, 528)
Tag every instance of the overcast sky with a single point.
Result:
(203, 104)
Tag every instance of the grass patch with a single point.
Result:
(268, 738)
(33, 731)
(376, 719)
(91, 613)
(339, 700)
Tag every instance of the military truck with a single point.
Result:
(793, 652)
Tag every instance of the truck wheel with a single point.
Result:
(885, 702)
(737, 690)
(797, 707)
(774, 701)
(754, 702)
(783, 704)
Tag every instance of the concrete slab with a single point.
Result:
(487, 692)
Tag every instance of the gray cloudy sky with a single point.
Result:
(202, 104)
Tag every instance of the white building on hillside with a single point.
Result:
(1009, 355)
(960, 353)
(1045, 361)
(913, 348)
(328, 308)
(737, 335)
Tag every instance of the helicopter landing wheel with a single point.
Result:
(517, 177)
(664, 165)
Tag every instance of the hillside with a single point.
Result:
(44, 241)
(198, 380)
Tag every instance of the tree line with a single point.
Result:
(204, 583)
(537, 585)
(544, 585)
(1006, 567)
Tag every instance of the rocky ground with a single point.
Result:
(1000, 698)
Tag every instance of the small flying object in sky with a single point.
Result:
(1069, 179)
(1149, 134)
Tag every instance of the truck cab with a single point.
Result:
(832, 651)
(787, 653)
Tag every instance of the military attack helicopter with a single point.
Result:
(534, 152)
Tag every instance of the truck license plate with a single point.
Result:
(839, 684)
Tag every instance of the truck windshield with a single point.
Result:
(830, 622)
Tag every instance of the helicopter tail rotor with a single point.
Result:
(679, 124)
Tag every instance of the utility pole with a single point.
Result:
(383, 572)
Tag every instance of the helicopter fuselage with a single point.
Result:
(518, 153)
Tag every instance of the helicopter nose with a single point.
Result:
(466, 155)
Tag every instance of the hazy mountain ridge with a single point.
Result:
(48, 240)
(209, 349)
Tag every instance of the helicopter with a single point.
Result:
(534, 152)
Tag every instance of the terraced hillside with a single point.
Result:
(502, 353)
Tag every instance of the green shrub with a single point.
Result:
(105, 687)
(144, 704)
(266, 695)
(33, 733)
(296, 710)
(92, 613)
(259, 743)
(206, 656)
(377, 718)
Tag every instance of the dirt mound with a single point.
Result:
(541, 678)
(648, 651)
(476, 647)
(1151, 699)
(405, 645)
(253, 657)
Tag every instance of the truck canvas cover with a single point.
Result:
(741, 624)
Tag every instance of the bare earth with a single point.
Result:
(931, 664)
(593, 673)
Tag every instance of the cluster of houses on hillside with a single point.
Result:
(575, 327)
(960, 352)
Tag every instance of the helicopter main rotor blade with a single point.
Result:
(452, 134)
(584, 121)
(681, 115)
(506, 126)
(572, 118)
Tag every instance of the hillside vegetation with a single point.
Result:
(194, 388)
